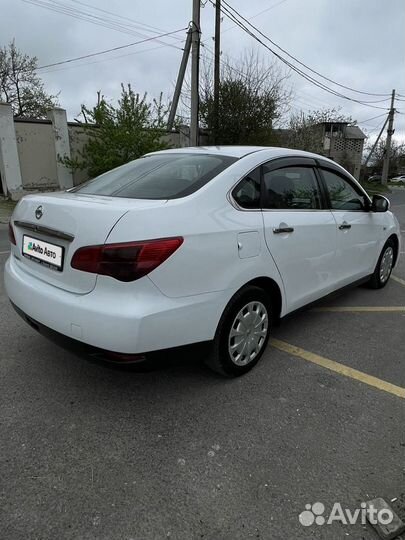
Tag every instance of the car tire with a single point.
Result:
(243, 332)
(384, 266)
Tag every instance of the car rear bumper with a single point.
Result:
(120, 318)
(78, 347)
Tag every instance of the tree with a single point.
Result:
(304, 132)
(251, 98)
(20, 85)
(397, 158)
(118, 134)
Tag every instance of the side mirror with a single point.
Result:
(380, 204)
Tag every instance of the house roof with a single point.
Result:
(354, 132)
(350, 132)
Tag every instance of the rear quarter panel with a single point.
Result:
(208, 260)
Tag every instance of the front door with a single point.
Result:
(358, 230)
(300, 231)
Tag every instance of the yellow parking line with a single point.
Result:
(339, 368)
(398, 280)
(360, 309)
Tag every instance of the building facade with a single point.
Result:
(344, 144)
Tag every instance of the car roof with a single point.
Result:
(241, 151)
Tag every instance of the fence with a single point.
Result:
(29, 150)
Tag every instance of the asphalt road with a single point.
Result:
(88, 452)
(4, 244)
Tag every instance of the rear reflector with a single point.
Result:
(11, 235)
(126, 261)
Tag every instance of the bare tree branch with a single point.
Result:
(20, 85)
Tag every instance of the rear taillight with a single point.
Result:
(126, 261)
(11, 235)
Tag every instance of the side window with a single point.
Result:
(294, 188)
(341, 194)
(247, 192)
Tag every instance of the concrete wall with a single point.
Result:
(77, 138)
(348, 152)
(36, 151)
(29, 151)
(10, 174)
(344, 144)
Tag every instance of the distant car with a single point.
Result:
(374, 178)
(194, 245)
(400, 178)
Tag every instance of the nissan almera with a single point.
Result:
(195, 245)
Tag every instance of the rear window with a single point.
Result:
(160, 176)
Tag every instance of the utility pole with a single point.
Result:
(390, 132)
(179, 82)
(195, 60)
(375, 144)
(217, 54)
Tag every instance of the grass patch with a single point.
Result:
(375, 188)
(7, 204)
(396, 184)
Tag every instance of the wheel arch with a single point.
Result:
(270, 286)
(395, 239)
(217, 360)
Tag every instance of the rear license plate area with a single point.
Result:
(45, 253)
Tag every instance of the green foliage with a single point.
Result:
(20, 85)
(397, 158)
(374, 188)
(119, 134)
(244, 118)
(251, 97)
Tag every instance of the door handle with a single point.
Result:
(283, 230)
(345, 225)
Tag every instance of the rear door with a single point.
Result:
(358, 230)
(300, 231)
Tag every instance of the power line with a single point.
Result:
(145, 26)
(294, 68)
(373, 118)
(298, 61)
(306, 76)
(377, 128)
(57, 7)
(109, 50)
(309, 106)
(102, 60)
(268, 9)
(257, 14)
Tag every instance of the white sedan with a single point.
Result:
(400, 178)
(194, 245)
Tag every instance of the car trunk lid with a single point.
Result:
(64, 222)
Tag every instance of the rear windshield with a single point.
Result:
(160, 176)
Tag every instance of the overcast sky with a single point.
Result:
(359, 43)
